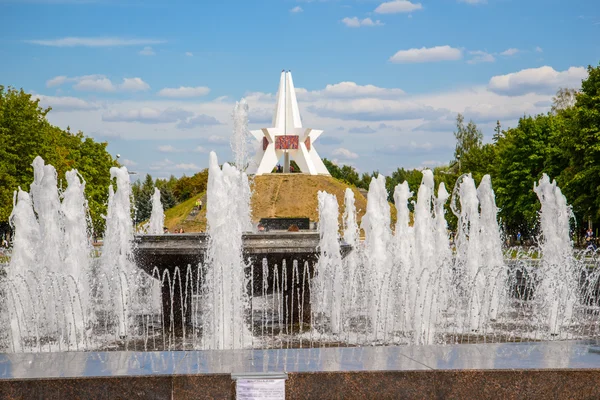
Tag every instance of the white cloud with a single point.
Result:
(189, 54)
(296, 9)
(473, 1)
(198, 120)
(479, 56)
(375, 110)
(167, 148)
(398, 6)
(362, 129)
(510, 52)
(147, 115)
(133, 85)
(354, 22)
(187, 167)
(200, 149)
(350, 90)
(128, 163)
(184, 92)
(542, 80)
(162, 164)
(65, 103)
(217, 139)
(147, 51)
(344, 153)
(538, 49)
(94, 42)
(94, 83)
(424, 54)
(99, 83)
(56, 81)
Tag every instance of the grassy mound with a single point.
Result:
(275, 195)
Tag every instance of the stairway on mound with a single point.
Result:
(192, 215)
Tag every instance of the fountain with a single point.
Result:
(234, 289)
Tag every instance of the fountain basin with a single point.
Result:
(159, 255)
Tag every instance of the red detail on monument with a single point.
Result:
(289, 142)
(307, 143)
(265, 143)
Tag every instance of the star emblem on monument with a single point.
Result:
(287, 137)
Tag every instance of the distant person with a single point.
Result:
(165, 230)
(199, 205)
(519, 238)
(293, 228)
(291, 168)
(261, 228)
(589, 239)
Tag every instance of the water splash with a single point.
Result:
(224, 288)
(557, 292)
(157, 217)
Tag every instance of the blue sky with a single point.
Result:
(158, 80)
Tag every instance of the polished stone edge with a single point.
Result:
(550, 356)
(437, 384)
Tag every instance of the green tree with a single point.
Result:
(467, 137)
(582, 177)
(522, 156)
(25, 133)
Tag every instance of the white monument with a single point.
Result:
(287, 137)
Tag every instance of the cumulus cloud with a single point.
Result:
(200, 149)
(473, 1)
(99, 83)
(147, 115)
(398, 6)
(187, 167)
(128, 163)
(296, 9)
(198, 120)
(362, 129)
(56, 81)
(147, 51)
(133, 85)
(66, 103)
(189, 54)
(183, 92)
(94, 42)
(94, 83)
(510, 52)
(168, 149)
(162, 164)
(353, 90)
(425, 54)
(354, 22)
(214, 139)
(344, 153)
(329, 140)
(260, 116)
(479, 56)
(538, 49)
(375, 110)
(542, 80)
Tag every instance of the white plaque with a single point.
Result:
(260, 389)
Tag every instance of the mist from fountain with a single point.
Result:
(157, 217)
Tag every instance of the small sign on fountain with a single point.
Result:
(260, 386)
